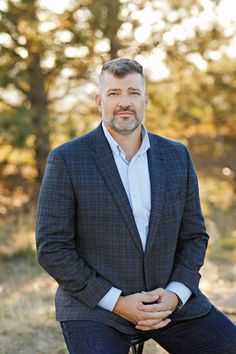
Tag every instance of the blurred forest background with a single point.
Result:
(51, 53)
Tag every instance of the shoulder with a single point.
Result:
(166, 144)
(174, 152)
(75, 146)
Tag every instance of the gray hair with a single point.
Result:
(121, 67)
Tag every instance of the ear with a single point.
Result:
(98, 101)
(146, 99)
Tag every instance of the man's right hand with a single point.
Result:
(127, 307)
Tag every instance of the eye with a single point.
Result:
(136, 93)
(113, 94)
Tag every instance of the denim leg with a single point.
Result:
(90, 337)
(213, 333)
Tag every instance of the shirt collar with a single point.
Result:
(116, 149)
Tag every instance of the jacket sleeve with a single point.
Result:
(55, 236)
(193, 238)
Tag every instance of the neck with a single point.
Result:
(130, 144)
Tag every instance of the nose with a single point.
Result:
(124, 106)
(124, 102)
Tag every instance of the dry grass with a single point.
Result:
(27, 310)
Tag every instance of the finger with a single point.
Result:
(159, 325)
(150, 295)
(157, 316)
(153, 307)
(149, 323)
(148, 298)
(158, 291)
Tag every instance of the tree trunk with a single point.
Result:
(113, 26)
(40, 117)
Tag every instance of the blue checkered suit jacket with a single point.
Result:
(87, 239)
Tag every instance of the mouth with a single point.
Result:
(124, 113)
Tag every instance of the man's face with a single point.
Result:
(122, 102)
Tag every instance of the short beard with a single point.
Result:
(123, 131)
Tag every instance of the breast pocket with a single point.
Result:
(175, 190)
(174, 201)
(175, 194)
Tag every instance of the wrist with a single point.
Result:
(179, 303)
(118, 305)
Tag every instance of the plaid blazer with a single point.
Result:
(87, 239)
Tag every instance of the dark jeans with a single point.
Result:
(213, 333)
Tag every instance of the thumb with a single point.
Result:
(150, 296)
(159, 291)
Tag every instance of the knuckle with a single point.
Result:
(165, 314)
(161, 324)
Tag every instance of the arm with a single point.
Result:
(193, 239)
(55, 235)
(109, 301)
(182, 291)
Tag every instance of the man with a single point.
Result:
(120, 228)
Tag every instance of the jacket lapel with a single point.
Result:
(103, 158)
(157, 172)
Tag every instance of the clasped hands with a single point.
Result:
(140, 309)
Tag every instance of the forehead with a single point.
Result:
(133, 80)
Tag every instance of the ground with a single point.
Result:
(27, 306)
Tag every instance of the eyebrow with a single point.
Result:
(134, 89)
(129, 89)
(113, 89)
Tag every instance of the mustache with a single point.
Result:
(124, 110)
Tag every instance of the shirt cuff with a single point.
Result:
(108, 301)
(181, 290)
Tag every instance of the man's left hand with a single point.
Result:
(167, 300)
